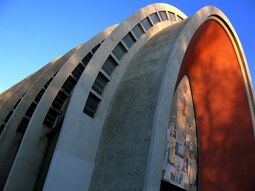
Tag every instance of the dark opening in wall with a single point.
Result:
(39, 95)
(91, 105)
(146, 23)
(119, 51)
(59, 100)
(172, 17)
(78, 71)
(31, 109)
(69, 84)
(109, 65)
(100, 83)
(166, 186)
(48, 83)
(87, 58)
(129, 40)
(8, 116)
(2, 128)
(163, 15)
(95, 48)
(138, 31)
(51, 117)
(155, 18)
(16, 104)
(23, 125)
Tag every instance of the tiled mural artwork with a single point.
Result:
(180, 167)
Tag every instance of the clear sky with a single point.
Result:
(34, 32)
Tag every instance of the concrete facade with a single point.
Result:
(127, 80)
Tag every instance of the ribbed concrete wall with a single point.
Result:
(49, 138)
(124, 146)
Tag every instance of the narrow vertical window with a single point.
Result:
(146, 23)
(91, 105)
(95, 48)
(39, 95)
(23, 125)
(172, 17)
(87, 58)
(100, 83)
(138, 31)
(51, 117)
(119, 51)
(154, 17)
(59, 100)
(129, 40)
(78, 71)
(31, 110)
(69, 84)
(109, 65)
(163, 15)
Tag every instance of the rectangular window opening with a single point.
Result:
(138, 31)
(91, 105)
(69, 84)
(119, 51)
(163, 15)
(154, 17)
(129, 40)
(109, 65)
(172, 17)
(78, 71)
(23, 125)
(31, 110)
(48, 83)
(100, 83)
(39, 95)
(95, 48)
(51, 117)
(87, 58)
(59, 100)
(146, 23)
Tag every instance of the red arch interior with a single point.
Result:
(227, 147)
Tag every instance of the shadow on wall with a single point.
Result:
(226, 142)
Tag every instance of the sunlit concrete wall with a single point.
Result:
(81, 155)
(122, 146)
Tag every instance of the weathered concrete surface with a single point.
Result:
(122, 155)
(80, 155)
(10, 139)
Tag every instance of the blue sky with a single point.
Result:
(34, 32)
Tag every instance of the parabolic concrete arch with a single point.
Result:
(170, 82)
(23, 111)
(57, 85)
(160, 103)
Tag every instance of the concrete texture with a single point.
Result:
(36, 140)
(78, 125)
(123, 151)
(122, 147)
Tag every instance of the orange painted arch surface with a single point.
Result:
(226, 141)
